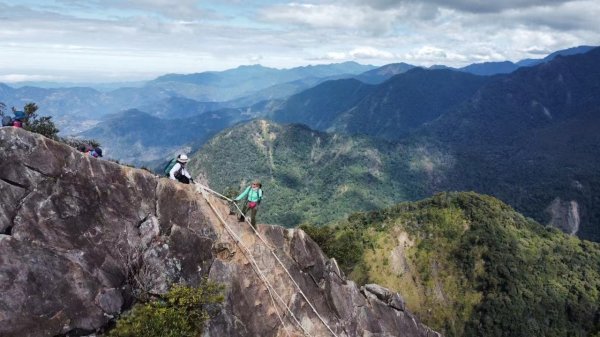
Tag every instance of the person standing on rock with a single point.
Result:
(253, 195)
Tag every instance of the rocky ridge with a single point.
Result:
(80, 236)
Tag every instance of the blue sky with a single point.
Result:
(117, 40)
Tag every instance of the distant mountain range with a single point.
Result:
(245, 81)
(529, 138)
(493, 68)
(379, 75)
(532, 139)
(77, 108)
(320, 106)
(136, 137)
(389, 110)
(341, 105)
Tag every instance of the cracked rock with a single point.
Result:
(89, 234)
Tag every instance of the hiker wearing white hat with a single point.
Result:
(178, 171)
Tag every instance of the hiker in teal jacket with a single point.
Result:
(253, 195)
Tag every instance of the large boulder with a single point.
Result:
(80, 237)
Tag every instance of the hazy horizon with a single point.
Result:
(107, 41)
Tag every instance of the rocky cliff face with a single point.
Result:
(80, 236)
(564, 215)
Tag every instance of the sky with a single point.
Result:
(132, 40)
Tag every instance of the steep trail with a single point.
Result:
(204, 191)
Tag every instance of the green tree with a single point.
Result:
(182, 312)
(44, 126)
(34, 123)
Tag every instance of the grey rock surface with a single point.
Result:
(79, 236)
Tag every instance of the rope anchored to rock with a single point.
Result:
(260, 274)
(205, 189)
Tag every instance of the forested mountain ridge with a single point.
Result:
(408, 101)
(308, 176)
(470, 265)
(530, 138)
(321, 105)
(389, 110)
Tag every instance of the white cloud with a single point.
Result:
(189, 10)
(366, 53)
(255, 58)
(430, 55)
(357, 54)
(371, 53)
(109, 38)
(180, 9)
(576, 15)
(470, 6)
(361, 19)
(333, 56)
(15, 78)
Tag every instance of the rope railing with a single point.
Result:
(260, 274)
(205, 188)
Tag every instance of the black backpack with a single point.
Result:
(7, 121)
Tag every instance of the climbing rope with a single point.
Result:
(260, 274)
(205, 188)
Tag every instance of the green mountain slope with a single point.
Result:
(530, 139)
(307, 175)
(389, 110)
(469, 265)
(320, 106)
(408, 101)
